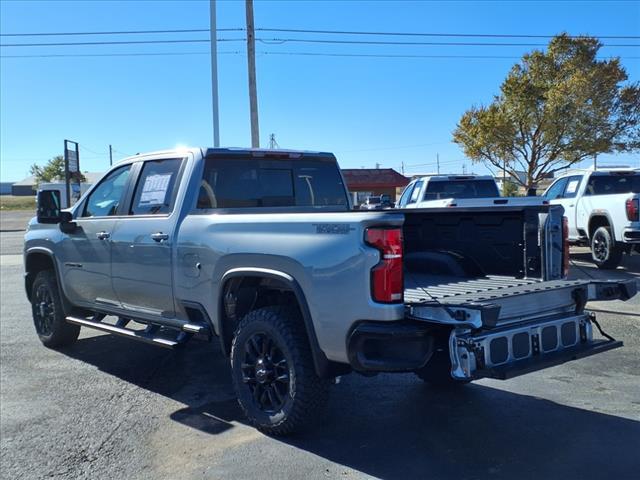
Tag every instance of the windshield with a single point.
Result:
(461, 189)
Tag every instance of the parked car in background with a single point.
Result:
(378, 202)
(602, 210)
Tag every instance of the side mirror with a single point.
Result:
(49, 206)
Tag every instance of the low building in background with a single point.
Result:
(366, 182)
(5, 188)
(28, 186)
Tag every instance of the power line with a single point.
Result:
(124, 42)
(392, 148)
(391, 55)
(279, 41)
(312, 31)
(447, 44)
(121, 32)
(273, 53)
(136, 54)
(431, 34)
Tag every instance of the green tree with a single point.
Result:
(51, 172)
(510, 189)
(555, 108)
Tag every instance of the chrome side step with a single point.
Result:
(147, 335)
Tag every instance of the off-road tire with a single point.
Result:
(306, 394)
(49, 320)
(604, 251)
(437, 371)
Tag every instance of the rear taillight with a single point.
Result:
(565, 246)
(633, 209)
(386, 276)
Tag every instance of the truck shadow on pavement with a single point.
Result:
(582, 262)
(393, 426)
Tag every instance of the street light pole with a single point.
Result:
(214, 72)
(251, 61)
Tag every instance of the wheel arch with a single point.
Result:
(600, 219)
(252, 277)
(36, 260)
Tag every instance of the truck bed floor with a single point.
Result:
(421, 287)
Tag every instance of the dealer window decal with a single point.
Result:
(154, 190)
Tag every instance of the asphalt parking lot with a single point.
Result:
(111, 408)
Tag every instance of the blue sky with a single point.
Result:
(367, 110)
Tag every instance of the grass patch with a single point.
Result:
(9, 202)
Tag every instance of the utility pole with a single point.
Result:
(438, 162)
(595, 162)
(110, 156)
(464, 168)
(214, 72)
(402, 167)
(251, 61)
(504, 176)
(272, 141)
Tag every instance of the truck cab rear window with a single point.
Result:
(248, 182)
(461, 189)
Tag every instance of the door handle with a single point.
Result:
(160, 237)
(103, 235)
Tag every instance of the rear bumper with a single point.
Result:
(631, 235)
(500, 353)
(398, 346)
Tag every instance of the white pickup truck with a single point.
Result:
(443, 191)
(434, 191)
(602, 209)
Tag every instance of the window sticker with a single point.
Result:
(572, 186)
(154, 190)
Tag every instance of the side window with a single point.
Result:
(416, 192)
(109, 193)
(555, 191)
(157, 187)
(613, 183)
(405, 195)
(573, 183)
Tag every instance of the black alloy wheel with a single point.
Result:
(273, 372)
(604, 251)
(600, 246)
(44, 310)
(265, 370)
(48, 313)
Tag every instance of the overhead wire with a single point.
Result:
(312, 31)
(274, 53)
(279, 41)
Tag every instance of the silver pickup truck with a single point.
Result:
(260, 251)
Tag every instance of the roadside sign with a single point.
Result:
(72, 158)
(72, 169)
